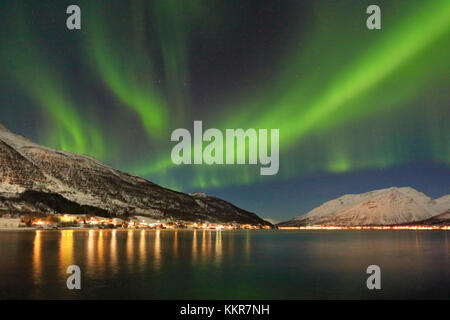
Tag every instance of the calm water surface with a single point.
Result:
(167, 264)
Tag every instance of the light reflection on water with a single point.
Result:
(113, 250)
(194, 247)
(224, 264)
(37, 265)
(65, 250)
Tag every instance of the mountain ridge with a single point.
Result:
(79, 181)
(389, 206)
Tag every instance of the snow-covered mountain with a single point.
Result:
(380, 207)
(34, 178)
(439, 220)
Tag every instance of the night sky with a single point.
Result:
(357, 109)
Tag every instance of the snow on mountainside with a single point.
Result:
(34, 178)
(443, 203)
(439, 220)
(380, 207)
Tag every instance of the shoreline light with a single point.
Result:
(367, 228)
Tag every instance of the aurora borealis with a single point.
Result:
(357, 109)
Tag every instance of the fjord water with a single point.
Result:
(198, 264)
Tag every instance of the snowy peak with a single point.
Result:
(395, 205)
(443, 203)
(34, 178)
(6, 134)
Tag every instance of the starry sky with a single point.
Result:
(357, 109)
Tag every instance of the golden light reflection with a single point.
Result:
(417, 242)
(247, 246)
(175, 243)
(142, 249)
(37, 258)
(157, 261)
(194, 246)
(230, 243)
(209, 242)
(130, 246)
(203, 247)
(207, 246)
(66, 250)
(218, 248)
(100, 248)
(113, 250)
(90, 250)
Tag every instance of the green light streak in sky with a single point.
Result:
(127, 73)
(394, 51)
(172, 21)
(69, 130)
(344, 98)
(348, 91)
(381, 60)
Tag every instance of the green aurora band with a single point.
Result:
(371, 99)
(28, 66)
(129, 77)
(364, 89)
